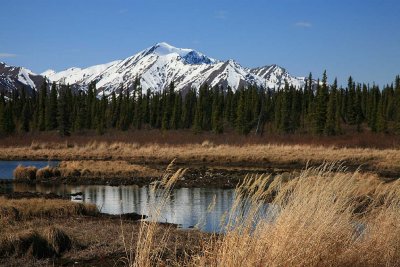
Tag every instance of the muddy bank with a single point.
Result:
(98, 242)
(195, 176)
(215, 175)
(94, 241)
(31, 195)
(56, 239)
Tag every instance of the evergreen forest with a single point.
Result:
(319, 108)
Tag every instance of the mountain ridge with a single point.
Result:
(158, 66)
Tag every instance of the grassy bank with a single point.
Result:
(385, 162)
(321, 217)
(352, 138)
(54, 232)
(24, 209)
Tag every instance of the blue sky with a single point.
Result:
(361, 38)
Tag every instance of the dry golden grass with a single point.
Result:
(50, 242)
(107, 168)
(312, 222)
(24, 209)
(150, 245)
(22, 173)
(314, 219)
(47, 172)
(387, 159)
(20, 234)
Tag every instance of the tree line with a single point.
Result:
(317, 108)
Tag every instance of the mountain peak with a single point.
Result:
(189, 56)
(48, 73)
(157, 66)
(163, 49)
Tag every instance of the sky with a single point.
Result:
(344, 37)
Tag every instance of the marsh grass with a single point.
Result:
(151, 243)
(95, 168)
(26, 226)
(25, 209)
(30, 173)
(52, 242)
(273, 154)
(22, 173)
(47, 172)
(312, 219)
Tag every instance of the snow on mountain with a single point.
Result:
(48, 73)
(276, 76)
(13, 78)
(162, 64)
(77, 75)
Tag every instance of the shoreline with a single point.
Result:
(199, 174)
(88, 237)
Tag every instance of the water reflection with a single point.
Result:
(188, 207)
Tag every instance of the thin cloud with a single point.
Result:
(303, 24)
(7, 55)
(222, 15)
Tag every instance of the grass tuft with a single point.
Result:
(25, 209)
(47, 172)
(22, 173)
(58, 240)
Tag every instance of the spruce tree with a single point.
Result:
(51, 110)
(2, 113)
(321, 105)
(351, 103)
(331, 115)
(82, 112)
(397, 105)
(358, 107)
(8, 120)
(286, 105)
(217, 111)
(137, 101)
(64, 123)
(241, 123)
(381, 122)
(42, 106)
(177, 112)
(189, 109)
(26, 116)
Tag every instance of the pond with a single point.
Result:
(8, 166)
(202, 208)
(187, 207)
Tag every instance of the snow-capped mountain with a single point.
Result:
(162, 64)
(276, 76)
(12, 78)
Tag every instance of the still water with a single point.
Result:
(202, 208)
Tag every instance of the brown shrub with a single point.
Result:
(22, 173)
